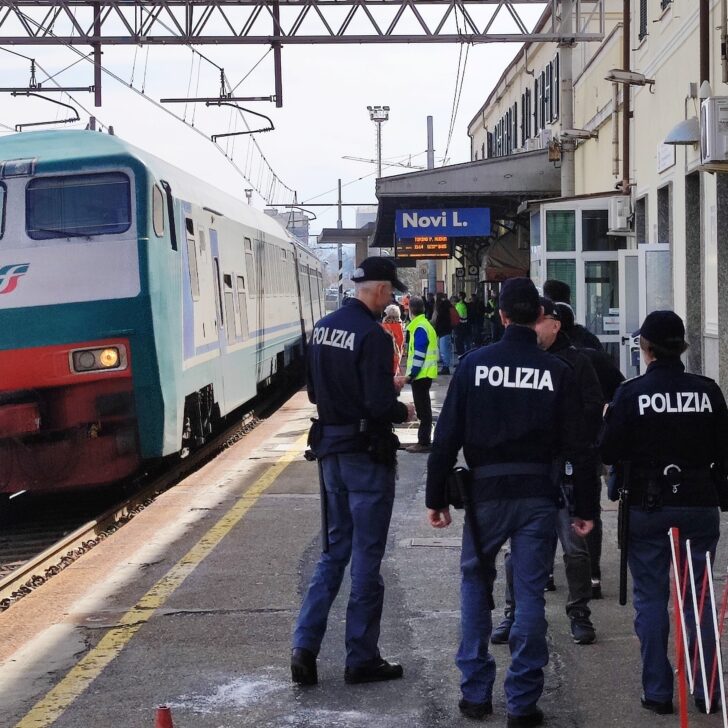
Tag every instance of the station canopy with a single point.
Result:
(500, 184)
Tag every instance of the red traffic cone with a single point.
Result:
(163, 717)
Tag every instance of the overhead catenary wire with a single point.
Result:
(160, 107)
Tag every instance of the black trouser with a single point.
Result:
(423, 407)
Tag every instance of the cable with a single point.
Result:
(63, 70)
(234, 88)
(15, 53)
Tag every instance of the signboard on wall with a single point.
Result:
(454, 223)
(424, 247)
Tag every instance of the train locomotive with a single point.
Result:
(138, 306)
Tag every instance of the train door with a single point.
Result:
(205, 322)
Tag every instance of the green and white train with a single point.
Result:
(138, 305)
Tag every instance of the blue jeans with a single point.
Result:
(650, 561)
(359, 496)
(577, 565)
(444, 345)
(530, 524)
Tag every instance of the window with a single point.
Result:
(602, 294)
(560, 231)
(514, 126)
(192, 263)
(78, 205)
(243, 306)
(664, 215)
(157, 211)
(537, 126)
(643, 20)
(218, 294)
(248, 245)
(547, 110)
(664, 4)
(555, 88)
(594, 227)
(3, 195)
(563, 270)
(640, 220)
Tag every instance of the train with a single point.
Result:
(139, 305)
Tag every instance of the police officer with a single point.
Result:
(421, 371)
(670, 426)
(350, 381)
(576, 553)
(528, 396)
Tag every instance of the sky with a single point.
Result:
(326, 91)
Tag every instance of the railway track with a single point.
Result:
(31, 555)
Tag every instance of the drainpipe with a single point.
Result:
(626, 113)
(724, 38)
(567, 99)
(615, 130)
(704, 41)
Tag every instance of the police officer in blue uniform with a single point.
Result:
(350, 381)
(514, 411)
(672, 429)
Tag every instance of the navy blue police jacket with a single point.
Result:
(349, 376)
(668, 417)
(510, 402)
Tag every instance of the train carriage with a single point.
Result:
(138, 305)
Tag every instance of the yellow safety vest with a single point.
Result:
(429, 368)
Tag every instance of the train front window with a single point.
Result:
(78, 205)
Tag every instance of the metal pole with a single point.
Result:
(277, 65)
(379, 149)
(431, 264)
(567, 99)
(340, 224)
(626, 62)
(97, 55)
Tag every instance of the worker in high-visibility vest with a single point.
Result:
(421, 370)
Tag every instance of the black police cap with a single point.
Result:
(549, 308)
(664, 328)
(378, 269)
(519, 295)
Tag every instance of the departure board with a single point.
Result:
(422, 248)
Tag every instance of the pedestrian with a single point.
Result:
(670, 426)
(392, 323)
(462, 330)
(429, 306)
(609, 379)
(494, 328)
(421, 371)
(581, 337)
(576, 551)
(514, 495)
(442, 323)
(350, 381)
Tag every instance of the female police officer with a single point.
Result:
(671, 427)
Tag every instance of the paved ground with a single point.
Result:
(212, 640)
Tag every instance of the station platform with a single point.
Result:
(193, 602)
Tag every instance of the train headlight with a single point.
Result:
(109, 358)
(94, 360)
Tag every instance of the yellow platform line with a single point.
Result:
(50, 707)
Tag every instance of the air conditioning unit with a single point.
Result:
(545, 136)
(714, 132)
(533, 143)
(619, 213)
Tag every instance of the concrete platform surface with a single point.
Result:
(192, 605)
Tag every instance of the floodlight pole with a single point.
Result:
(340, 224)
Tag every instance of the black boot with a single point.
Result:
(377, 671)
(303, 667)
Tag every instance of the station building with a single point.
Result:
(637, 226)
